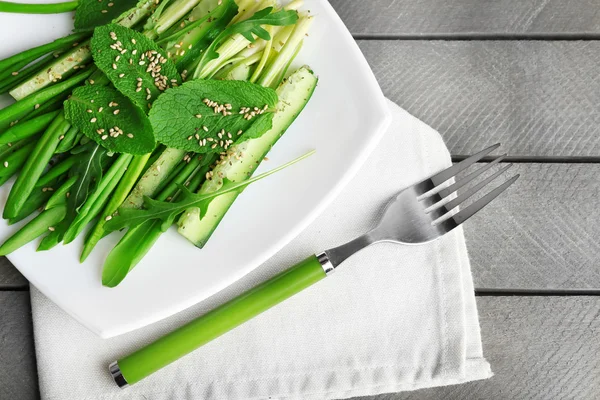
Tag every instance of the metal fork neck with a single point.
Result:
(337, 255)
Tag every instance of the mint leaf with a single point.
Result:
(110, 119)
(167, 212)
(181, 117)
(93, 13)
(248, 28)
(136, 65)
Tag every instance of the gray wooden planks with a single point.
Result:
(539, 98)
(18, 375)
(539, 347)
(542, 233)
(471, 18)
(10, 278)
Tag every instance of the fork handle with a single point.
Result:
(215, 323)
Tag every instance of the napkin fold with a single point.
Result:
(391, 318)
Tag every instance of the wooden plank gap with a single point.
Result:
(537, 159)
(536, 292)
(480, 36)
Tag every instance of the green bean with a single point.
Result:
(176, 171)
(21, 108)
(35, 228)
(59, 196)
(134, 171)
(93, 205)
(178, 179)
(57, 171)
(35, 201)
(11, 164)
(56, 104)
(35, 165)
(27, 128)
(9, 148)
(139, 240)
(55, 236)
(10, 80)
(36, 52)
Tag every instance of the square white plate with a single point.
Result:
(343, 122)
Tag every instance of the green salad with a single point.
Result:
(152, 113)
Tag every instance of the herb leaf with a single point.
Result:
(181, 117)
(247, 28)
(93, 13)
(135, 64)
(167, 212)
(88, 175)
(110, 119)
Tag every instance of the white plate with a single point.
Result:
(344, 120)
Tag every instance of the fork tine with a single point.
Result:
(471, 210)
(461, 166)
(464, 196)
(467, 179)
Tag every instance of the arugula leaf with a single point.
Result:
(182, 119)
(93, 13)
(136, 65)
(110, 119)
(88, 173)
(167, 212)
(248, 28)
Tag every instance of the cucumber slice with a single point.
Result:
(294, 93)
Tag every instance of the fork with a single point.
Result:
(418, 214)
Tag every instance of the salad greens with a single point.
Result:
(207, 116)
(119, 124)
(110, 119)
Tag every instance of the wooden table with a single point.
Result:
(524, 73)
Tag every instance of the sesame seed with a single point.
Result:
(239, 132)
(5, 164)
(123, 51)
(139, 89)
(51, 228)
(158, 168)
(130, 61)
(148, 97)
(90, 111)
(108, 218)
(36, 106)
(61, 137)
(130, 135)
(117, 58)
(93, 120)
(111, 4)
(213, 146)
(114, 66)
(100, 109)
(104, 137)
(133, 41)
(116, 112)
(15, 73)
(189, 138)
(121, 75)
(205, 128)
(197, 136)
(229, 135)
(198, 115)
(210, 139)
(91, 82)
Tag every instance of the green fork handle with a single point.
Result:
(169, 348)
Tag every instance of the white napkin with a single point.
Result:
(392, 317)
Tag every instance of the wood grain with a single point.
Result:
(542, 233)
(18, 375)
(539, 347)
(537, 98)
(401, 18)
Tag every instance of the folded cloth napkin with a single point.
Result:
(391, 318)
